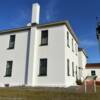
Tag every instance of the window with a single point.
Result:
(9, 68)
(6, 85)
(44, 37)
(76, 72)
(72, 46)
(68, 39)
(76, 48)
(12, 42)
(93, 73)
(43, 67)
(72, 68)
(68, 70)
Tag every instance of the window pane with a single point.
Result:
(93, 72)
(12, 42)
(72, 68)
(12, 38)
(68, 70)
(44, 37)
(11, 45)
(9, 68)
(76, 48)
(72, 46)
(67, 38)
(76, 72)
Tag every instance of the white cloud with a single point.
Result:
(51, 10)
(20, 17)
(88, 43)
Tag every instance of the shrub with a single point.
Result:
(79, 82)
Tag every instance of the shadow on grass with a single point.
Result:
(46, 93)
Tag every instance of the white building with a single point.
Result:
(93, 69)
(39, 55)
(87, 69)
(82, 58)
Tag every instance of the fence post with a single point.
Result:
(85, 87)
(94, 86)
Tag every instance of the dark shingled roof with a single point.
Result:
(93, 65)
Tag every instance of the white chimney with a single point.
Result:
(35, 13)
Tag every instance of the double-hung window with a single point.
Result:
(9, 69)
(68, 39)
(93, 73)
(12, 42)
(43, 67)
(73, 69)
(76, 49)
(44, 37)
(68, 67)
(72, 45)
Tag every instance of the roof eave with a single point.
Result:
(15, 30)
(42, 26)
(81, 49)
(60, 23)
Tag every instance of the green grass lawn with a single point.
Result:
(29, 93)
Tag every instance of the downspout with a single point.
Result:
(27, 58)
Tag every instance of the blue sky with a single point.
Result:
(80, 13)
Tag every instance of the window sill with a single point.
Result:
(10, 48)
(68, 75)
(42, 75)
(43, 44)
(68, 46)
(7, 76)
